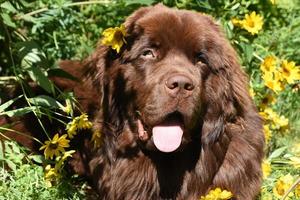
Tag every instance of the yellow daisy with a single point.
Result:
(61, 159)
(236, 22)
(83, 122)
(252, 23)
(71, 129)
(56, 146)
(266, 168)
(268, 133)
(217, 194)
(114, 37)
(273, 81)
(252, 92)
(269, 64)
(282, 185)
(289, 71)
(297, 191)
(268, 114)
(266, 101)
(51, 175)
(280, 122)
(78, 123)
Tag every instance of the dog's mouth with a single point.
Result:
(167, 134)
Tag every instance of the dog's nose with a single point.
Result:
(179, 84)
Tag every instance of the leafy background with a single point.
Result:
(35, 35)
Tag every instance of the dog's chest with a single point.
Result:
(141, 178)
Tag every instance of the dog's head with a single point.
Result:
(177, 78)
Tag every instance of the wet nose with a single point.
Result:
(178, 84)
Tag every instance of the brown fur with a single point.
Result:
(223, 141)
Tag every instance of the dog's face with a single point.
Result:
(171, 76)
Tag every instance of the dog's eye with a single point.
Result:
(201, 57)
(148, 54)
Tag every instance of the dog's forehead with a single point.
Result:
(178, 27)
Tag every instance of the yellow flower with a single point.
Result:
(277, 122)
(268, 133)
(252, 23)
(114, 37)
(83, 122)
(236, 22)
(273, 2)
(51, 175)
(96, 139)
(280, 122)
(282, 186)
(217, 194)
(289, 71)
(268, 114)
(266, 168)
(251, 92)
(273, 81)
(56, 146)
(78, 123)
(297, 191)
(295, 161)
(61, 159)
(268, 99)
(71, 129)
(269, 64)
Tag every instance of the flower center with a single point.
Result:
(265, 100)
(251, 23)
(53, 145)
(286, 71)
(280, 191)
(118, 35)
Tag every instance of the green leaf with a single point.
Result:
(30, 53)
(7, 20)
(57, 72)
(16, 149)
(26, 47)
(8, 103)
(277, 153)
(8, 6)
(247, 51)
(37, 158)
(37, 75)
(45, 101)
(29, 18)
(19, 112)
(11, 165)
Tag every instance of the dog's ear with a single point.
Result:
(105, 62)
(133, 18)
(226, 94)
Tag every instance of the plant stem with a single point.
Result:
(20, 133)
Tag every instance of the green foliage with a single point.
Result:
(25, 180)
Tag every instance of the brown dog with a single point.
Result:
(174, 111)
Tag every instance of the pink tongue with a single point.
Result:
(167, 138)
